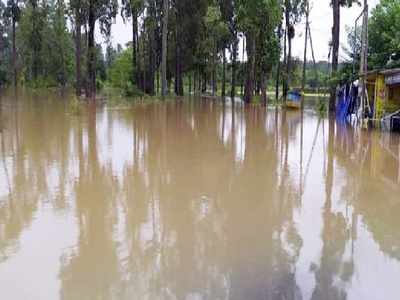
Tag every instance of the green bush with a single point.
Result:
(131, 90)
(120, 72)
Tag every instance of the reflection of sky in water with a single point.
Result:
(115, 143)
(41, 251)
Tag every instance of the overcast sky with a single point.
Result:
(320, 19)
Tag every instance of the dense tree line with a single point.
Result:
(177, 46)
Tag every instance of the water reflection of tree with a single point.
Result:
(334, 271)
(187, 233)
(91, 271)
(194, 213)
(372, 183)
(30, 148)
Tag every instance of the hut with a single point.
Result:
(383, 90)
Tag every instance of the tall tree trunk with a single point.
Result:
(234, 54)
(278, 69)
(36, 45)
(14, 53)
(284, 77)
(214, 71)
(91, 53)
(278, 73)
(223, 86)
(303, 82)
(152, 46)
(190, 83)
(178, 62)
(335, 50)
(194, 82)
(144, 73)
(263, 87)
(204, 87)
(164, 85)
(242, 81)
(78, 50)
(158, 82)
(249, 86)
(135, 70)
(289, 54)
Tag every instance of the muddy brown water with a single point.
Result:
(194, 200)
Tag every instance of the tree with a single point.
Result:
(45, 44)
(132, 9)
(78, 18)
(229, 16)
(336, 5)
(61, 43)
(13, 12)
(4, 45)
(384, 39)
(259, 20)
(164, 87)
(216, 38)
(103, 11)
(294, 11)
(120, 70)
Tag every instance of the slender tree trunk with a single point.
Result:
(190, 83)
(144, 43)
(178, 62)
(158, 82)
(223, 86)
(250, 49)
(78, 50)
(164, 86)
(14, 53)
(195, 82)
(214, 71)
(36, 46)
(204, 87)
(284, 63)
(152, 50)
(278, 69)
(234, 54)
(303, 82)
(91, 53)
(335, 50)
(263, 88)
(135, 72)
(278, 73)
(289, 54)
(242, 81)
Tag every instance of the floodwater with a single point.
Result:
(194, 200)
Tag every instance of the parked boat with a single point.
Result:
(294, 99)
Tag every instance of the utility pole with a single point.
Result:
(303, 84)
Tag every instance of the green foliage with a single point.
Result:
(384, 34)
(120, 71)
(296, 9)
(45, 44)
(120, 74)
